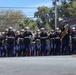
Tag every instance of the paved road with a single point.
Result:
(50, 65)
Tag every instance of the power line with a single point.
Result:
(21, 7)
(17, 18)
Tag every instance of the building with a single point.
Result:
(71, 21)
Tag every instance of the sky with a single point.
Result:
(29, 12)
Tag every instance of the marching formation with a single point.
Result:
(62, 41)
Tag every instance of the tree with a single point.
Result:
(67, 10)
(30, 23)
(47, 27)
(10, 18)
(42, 14)
(46, 15)
(65, 1)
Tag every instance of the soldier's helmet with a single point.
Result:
(22, 30)
(52, 30)
(10, 28)
(3, 33)
(6, 30)
(26, 28)
(38, 30)
(17, 31)
(57, 28)
(73, 28)
(42, 29)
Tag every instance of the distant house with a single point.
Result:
(71, 21)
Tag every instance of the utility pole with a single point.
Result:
(55, 11)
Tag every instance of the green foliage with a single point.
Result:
(45, 16)
(47, 27)
(67, 9)
(30, 23)
(10, 18)
(42, 14)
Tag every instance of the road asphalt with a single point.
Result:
(41, 65)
